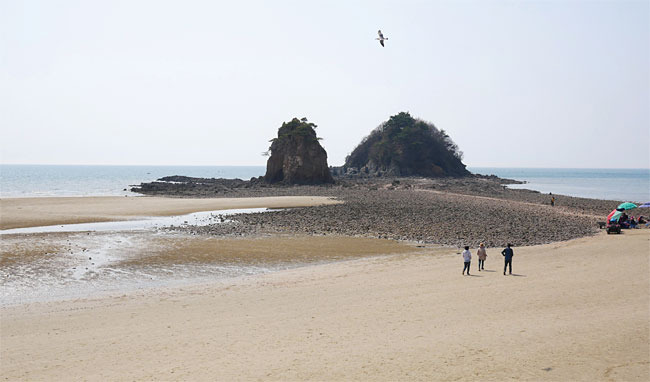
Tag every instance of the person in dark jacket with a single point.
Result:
(507, 255)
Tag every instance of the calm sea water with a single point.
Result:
(54, 180)
(614, 184)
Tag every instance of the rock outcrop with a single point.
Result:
(296, 156)
(405, 146)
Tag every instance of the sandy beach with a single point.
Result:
(576, 310)
(333, 307)
(30, 212)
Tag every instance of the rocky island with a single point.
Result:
(405, 181)
(296, 156)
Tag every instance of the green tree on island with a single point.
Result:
(407, 146)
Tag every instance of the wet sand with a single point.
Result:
(576, 310)
(65, 266)
(32, 212)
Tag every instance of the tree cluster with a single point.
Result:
(294, 128)
(409, 146)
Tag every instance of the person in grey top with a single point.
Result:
(507, 255)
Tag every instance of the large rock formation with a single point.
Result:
(404, 146)
(296, 156)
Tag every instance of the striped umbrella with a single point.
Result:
(645, 205)
(614, 215)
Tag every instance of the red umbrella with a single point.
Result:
(612, 215)
(609, 217)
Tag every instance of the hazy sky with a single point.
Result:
(514, 83)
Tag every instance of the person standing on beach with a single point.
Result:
(467, 258)
(482, 255)
(507, 255)
(552, 201)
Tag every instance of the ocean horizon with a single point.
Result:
(25, 180)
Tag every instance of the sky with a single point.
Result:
(514, 83)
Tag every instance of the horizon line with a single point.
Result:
(264, 165)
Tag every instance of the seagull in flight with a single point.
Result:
(381, 37)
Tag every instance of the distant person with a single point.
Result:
(552, 201)
(624, 221)
(507, 255)
(467, 259)
(632, 222)
(482, 255)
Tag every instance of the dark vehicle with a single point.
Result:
(613, 227)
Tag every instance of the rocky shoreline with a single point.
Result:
(446, 211)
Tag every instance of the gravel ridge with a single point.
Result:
(445, 211)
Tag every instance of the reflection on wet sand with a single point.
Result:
(51, 266)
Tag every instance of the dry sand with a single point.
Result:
(31, 212)
(576, 310)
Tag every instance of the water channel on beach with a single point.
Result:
(81, 260)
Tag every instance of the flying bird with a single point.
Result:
(381, 37)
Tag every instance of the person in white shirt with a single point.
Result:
(467, 258)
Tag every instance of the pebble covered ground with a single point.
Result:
(455, 212)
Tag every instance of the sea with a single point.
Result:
(74, 180)
(631, 185)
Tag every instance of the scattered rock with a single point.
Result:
(451, 211)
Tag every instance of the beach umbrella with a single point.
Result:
(626, 206)
(614, 215)
(645, 205)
